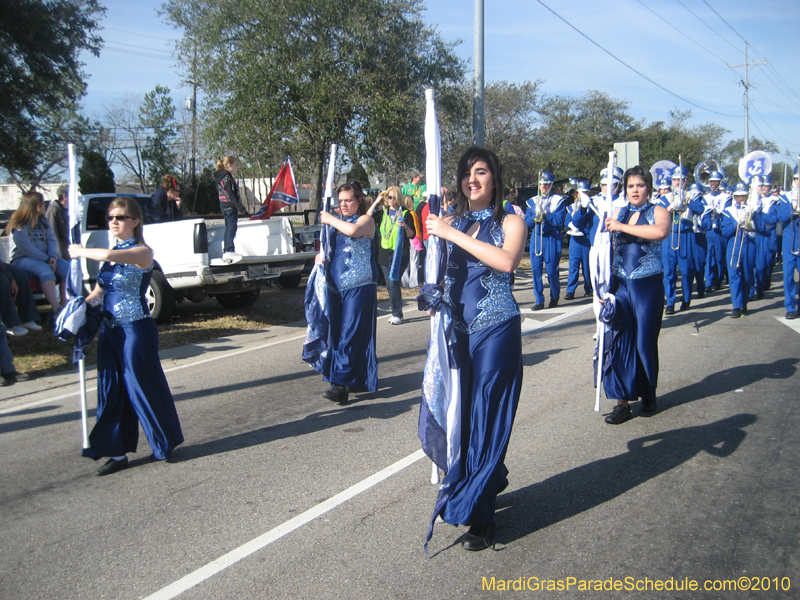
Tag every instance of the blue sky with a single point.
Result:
(682, 45)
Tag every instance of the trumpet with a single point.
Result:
(745, 223)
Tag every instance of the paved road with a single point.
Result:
(278, 493)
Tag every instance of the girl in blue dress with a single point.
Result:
(638, 229)
(131, 386)
(351, 362)
(485, 245)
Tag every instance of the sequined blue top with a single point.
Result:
(635, 257)
(478, 295)
(124, 286)
(352, 262)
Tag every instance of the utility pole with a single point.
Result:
(478, 120)
(746, 84)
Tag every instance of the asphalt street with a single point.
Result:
(278, 493)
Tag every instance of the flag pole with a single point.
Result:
(73, 219)
(609, 207)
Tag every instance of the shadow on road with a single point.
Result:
(567, 494)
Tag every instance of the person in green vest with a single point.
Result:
(415, 188)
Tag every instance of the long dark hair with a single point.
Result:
(639, 171)
(358, 192)
(465, 164)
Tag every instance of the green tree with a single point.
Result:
(94, 175)
(734, 151)
(577, 134)
(157, 114)
(41, 72)
(301, 74)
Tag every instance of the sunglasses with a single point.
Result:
(110, 218)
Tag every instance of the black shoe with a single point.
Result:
(649, 407)
(503, 485)
(685, 305)
(620, 414)
(538, 306)
(569, 296)
(791, 315)
(587, 293)
(15, 376)
(737, 312)
(670, 310)
(112, 466)
(337, 393)
(718, 286)
(553, 303)
(759, 295)
(768, 284)
(701, 294)
(479, 537)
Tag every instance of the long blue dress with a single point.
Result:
(639, 289)
(353, 309)
(131, 386)
(489, 355)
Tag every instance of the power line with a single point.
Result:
(138, 35)
(707, 25)
(135, 53)
(683, 34)
(642, 75)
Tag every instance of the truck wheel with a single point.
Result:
(238, 299)
(160, 298)
(289, 282)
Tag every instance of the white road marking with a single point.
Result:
(791, 324)
(226, 560)
(532, 325)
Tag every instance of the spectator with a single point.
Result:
(14, 286)
(7, 369)
(165, 203)
(57, 216)
(35, 249)
(414, 188)
(230, 204)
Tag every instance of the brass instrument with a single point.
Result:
(538, 219)
(703, 170)
(746, 224)
(675, 232)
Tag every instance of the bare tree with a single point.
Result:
(124, 123)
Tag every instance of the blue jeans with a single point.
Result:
(25, 309)
(395, 297)
(40, 269)
(231, 223)
(6, 358)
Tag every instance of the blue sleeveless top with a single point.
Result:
(479, 296)
(124, 286)
(635, 257)
(352, 263)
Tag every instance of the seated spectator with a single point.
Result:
(35, 249)
(165, 203)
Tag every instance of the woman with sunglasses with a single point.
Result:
(351, 363)
(131, 386)
(35, 249)
(395, 230)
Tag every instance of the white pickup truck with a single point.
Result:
(188, 257)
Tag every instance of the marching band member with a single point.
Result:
(582, 225)
(740, 221)
(716, 200)
(700, 249)
(545, 216)
(638, 228)
(788, 214)
(678, 248)
(763, 238)
(768, 202)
